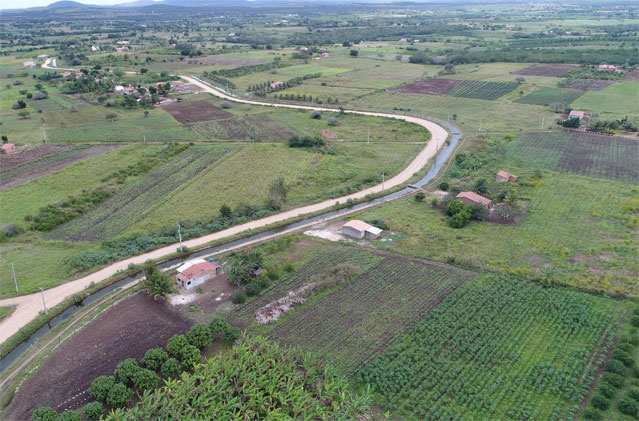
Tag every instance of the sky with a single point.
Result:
(12, 4)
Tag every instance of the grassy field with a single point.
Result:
(619, 99)
(482, 90)
(546, 96)
(498, 349)
(6, 311)
(586, 242)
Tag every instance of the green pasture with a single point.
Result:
(619, 99)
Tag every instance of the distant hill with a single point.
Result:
(67, 4)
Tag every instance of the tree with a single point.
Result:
(100, 387)
(600, 402)
(40, 95)
(458, 220)
(354, 53)
(5, 139)
(277, 193)
(572, 123)
(93, 410)
(118, 72)
(225, 211)
(44, 413)
(199, 336)
(170, 368)
(479, 212)
(419, 197)
(158, 284)
(480, 186)
(444, 186)
(154, 358)
(239, 298)
(176, 344)
(243, 266)
(454, 206)
(119, 396)
(191, 356)
(145, 379)
(125, 371)
(520, 80)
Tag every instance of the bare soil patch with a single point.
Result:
(126, 330)
(589, 84)
(553, 70)
(633, 76)
(27, 155)
(194, 111)
(215, 297)
(429, 87)
(48, 164)
(228, 61)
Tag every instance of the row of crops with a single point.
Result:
(547, 96)
(359, 321)
(482, 90)
(497, 349)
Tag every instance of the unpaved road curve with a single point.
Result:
(28, 306)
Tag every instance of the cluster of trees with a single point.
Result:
(459, 213)
(182, 351)
(267, 87)
(247, 70)
(614, 124)
(213, 76)
(306, 142)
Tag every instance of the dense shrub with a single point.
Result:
(379, 223)
(458, 220)
(600, 402)
(616, 366)
(634, 321)
(176, 344)
(253, 289)
(592, 414)
(57, 214)
(93, 410)
(444, 186)
(88, 259)
(306, 142)
(170, 368)
(126, 370)
(68, 416)
(145, 379)
(9, 230)
(100, 387)
(154, 358)
(222, 327)
(44, 413)
(191, 356)
(633, 393)
(119, 396)
(200, 336)
(607, 390)
(623, 356)
(628, 406)
(419, 197)
(615, 380)
(239, 298)
(454, 207)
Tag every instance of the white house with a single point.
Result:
(360, 229)
(195, 272)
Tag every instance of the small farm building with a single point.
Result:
(504, 177)
(576, 114)
(328, 134)
(472, 198)
(196, 272)
(8, 148)
(360, 229)
(277, 84)
(29, 64)
(65, 74)
(607, 68)
(43, 56)
(326, 55)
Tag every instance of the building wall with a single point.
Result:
(351, 232)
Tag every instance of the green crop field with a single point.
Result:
(612, 158)
(619, 99)
(482, 90)
(497, 349)
(546, 96)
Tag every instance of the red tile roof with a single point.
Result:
(198, 269)
(473, 197)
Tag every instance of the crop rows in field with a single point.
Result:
(482, 90)
(612, 158)
(589, 84)
(361, 320)
(46, 104)
(551, 70)
(546, 96)
(133, 202)
(497, 349)
(259, 127)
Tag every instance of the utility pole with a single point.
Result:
(368, 142)
(449, 117)
(542, 121)
(180, 235)
(382, 180)
(43, 304)
(44, 133)
(144, 132)
(480, 120)
(14, 276)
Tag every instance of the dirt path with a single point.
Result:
(28, 306)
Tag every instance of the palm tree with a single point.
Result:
(157, 284)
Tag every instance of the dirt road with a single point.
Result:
(28, 306)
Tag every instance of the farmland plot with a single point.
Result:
(482, 90)
(612, 158)
(546, 96)
(132, 203)
(20, 158)
(497, 349)
(429, 87)
(257, 127)
(589, 84)
(554, 70)
(194, 111)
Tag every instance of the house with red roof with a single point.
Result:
(196, 272)
(328, 134)
(505, 177)
(577, 114)
(8, 148)
(472, 198)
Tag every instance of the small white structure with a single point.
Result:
(360, 229)
(29, 64)
(195, 272)
(43, 56)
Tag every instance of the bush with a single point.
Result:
(40, 95)
(628, 406)
(44, 413)
(616, 366)
(125, 371)
(634, 321)
(316, 115)
(200, 336)
(9, 230)
(154, 358)
(615, 380)
(600, 402)
(479, 212)
(222, 327)
(225, 104)
(191, 356)
(332, 121)
(176, 344)
(379, 223)
(633, 393)
(239, 298)
(68, 416)
(592, 414)
(119, 396)
(306, 142)
(623, 356)
(607, 390)
(458, 220)
(100, 387)
(454, 206)
(93, 410)
(253, 289)
(419, 197)
(444, 186)
(170, 368)
(145, 379)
